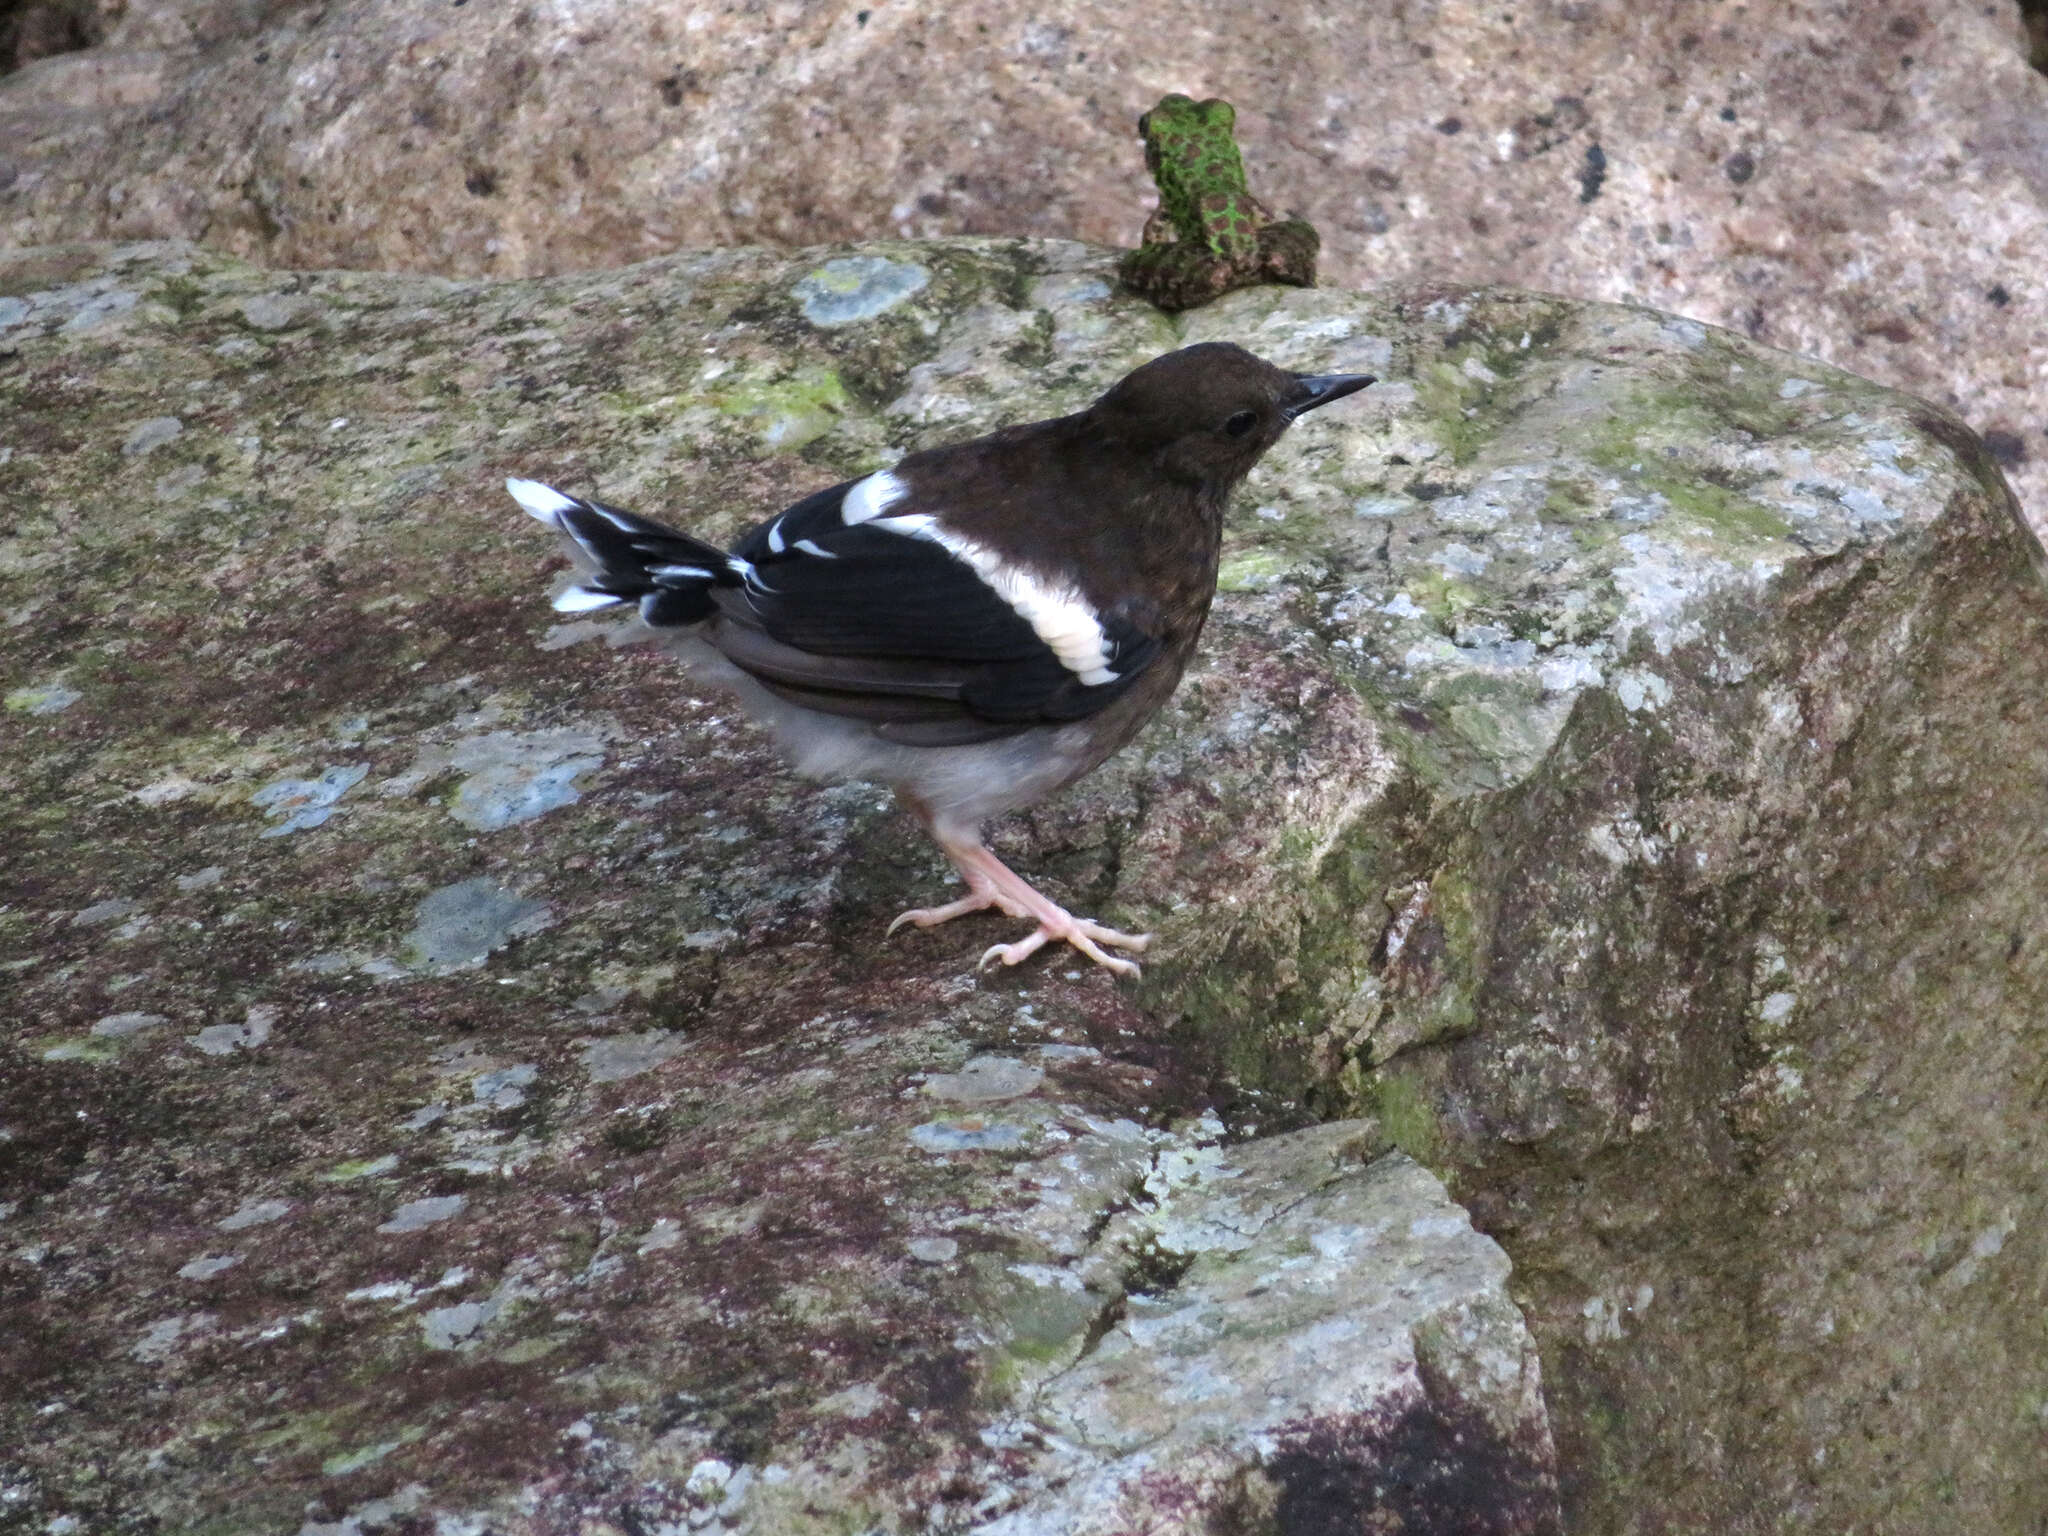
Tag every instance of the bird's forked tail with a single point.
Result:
(625, 558)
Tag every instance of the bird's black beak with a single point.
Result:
(1313, 389)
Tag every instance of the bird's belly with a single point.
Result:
(961, 786)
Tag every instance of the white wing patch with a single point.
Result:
(541, 502)
(1057, 614)
(868, 499)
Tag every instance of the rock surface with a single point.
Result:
(1865, 183)
(1307, 1350)
(452, 1075)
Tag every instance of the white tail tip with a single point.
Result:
(582, 600)
(542, 502)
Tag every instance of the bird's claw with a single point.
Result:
(974, 901)
(1085, 936)
(1111, 936)
(926, 917)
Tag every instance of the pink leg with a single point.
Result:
(991, 883)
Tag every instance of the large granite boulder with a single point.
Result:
(454, 1080)
(1865, 184)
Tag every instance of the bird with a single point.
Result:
(978, 625)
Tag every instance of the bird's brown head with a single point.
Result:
(1206, 413)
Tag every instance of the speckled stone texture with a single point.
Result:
(1862, 180)
(455, 1080)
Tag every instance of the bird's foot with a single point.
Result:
(992, 883)
(1085, 936)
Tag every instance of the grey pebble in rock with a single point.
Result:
(117, 1026)
(969, 1136)
(417, 1214)
(620, 1056)
(460, 924)
(209, 1266)
(985, 1080)
(856, 288)
(254, 1213)
(150, 435)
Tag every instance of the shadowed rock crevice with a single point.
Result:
(2035, 14)
(1421, 1471)
(30, 31)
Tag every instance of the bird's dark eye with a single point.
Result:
(1241, 423)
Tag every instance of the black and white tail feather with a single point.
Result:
(855, 603)
(629, 559)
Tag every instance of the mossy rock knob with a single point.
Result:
(1208, 235)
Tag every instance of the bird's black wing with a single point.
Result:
(856, 603)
